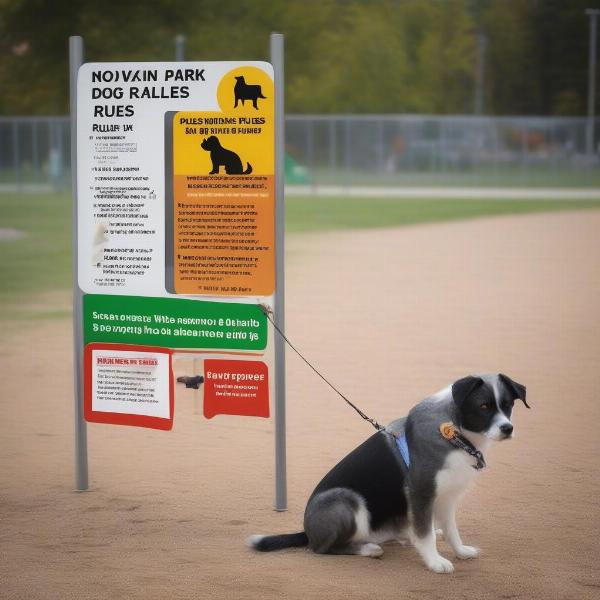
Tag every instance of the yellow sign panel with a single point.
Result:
(223, 191)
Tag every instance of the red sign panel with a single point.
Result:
(236, 387)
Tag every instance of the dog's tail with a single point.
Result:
(248, 170)
(261, 95)
(268, 543)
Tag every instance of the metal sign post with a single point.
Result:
(179, 47)
(81, 458)
(589, 138)
(277, 60)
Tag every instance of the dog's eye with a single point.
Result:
(484, 406)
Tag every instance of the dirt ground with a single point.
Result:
(390, 316)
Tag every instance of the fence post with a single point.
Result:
(310, 151)
(347, 160)
(332, 146)
(35, 150)
(15, 144)
(380, 143)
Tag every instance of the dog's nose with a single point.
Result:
(506, 429)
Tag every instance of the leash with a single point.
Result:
(447, 430)
(267, 312)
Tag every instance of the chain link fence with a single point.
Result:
(421, 150)
(35, 153)
(366, 150)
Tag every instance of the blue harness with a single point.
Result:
(403, 447)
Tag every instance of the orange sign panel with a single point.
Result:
(223, 191)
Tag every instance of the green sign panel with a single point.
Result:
(173, 323)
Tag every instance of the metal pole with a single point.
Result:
(81, 457)
(480, 73)
(179, 47)
(332, 146)
(196, 368)
(277, 60)
(310, 151)
(15, 144)
(589, 146)
(380, 165)
(34, 150)
(347, 161)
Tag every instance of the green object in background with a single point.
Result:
(173, 322)
(295, 174)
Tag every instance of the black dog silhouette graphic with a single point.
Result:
(222, 157)
(243, 91)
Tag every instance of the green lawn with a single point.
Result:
(321, 214)
(41, 261)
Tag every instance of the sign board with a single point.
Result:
(176, 235)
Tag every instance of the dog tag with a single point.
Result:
(447, 430)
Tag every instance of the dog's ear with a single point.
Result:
(464, 387)
(517, 390)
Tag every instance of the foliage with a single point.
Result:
(374, 56)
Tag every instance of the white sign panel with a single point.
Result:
(121, 115)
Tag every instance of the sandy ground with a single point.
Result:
(390, 316)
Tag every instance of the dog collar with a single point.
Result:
(449, 432)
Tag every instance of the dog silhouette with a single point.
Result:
(244, 91)
(222, 157)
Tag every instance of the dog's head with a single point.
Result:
(209, 143)
(241, 79)
(484, 404)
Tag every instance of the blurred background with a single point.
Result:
(388, 92)
(398, 113)
(391, 106)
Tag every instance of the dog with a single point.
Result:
(222, 157)
(243, 91)
(407, 479)
(191, 382)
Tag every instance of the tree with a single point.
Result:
(372, 56)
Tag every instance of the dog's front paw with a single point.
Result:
(372, 550)
(465, 552)
(440, 565)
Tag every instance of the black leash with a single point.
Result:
(458, 441)
(267, 313)
(455, 438)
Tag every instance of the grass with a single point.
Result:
(40, 262)
(332, 213)
(431, 175)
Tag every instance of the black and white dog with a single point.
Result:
(407, 479)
